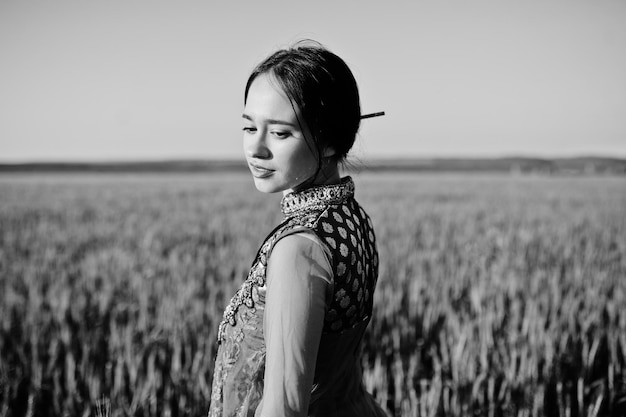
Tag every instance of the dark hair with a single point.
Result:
(322, 86)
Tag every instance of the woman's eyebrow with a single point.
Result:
(270, 121)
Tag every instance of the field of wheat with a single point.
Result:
(498, 295)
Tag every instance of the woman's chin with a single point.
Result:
(265, 186)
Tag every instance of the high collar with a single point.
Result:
(317, 197)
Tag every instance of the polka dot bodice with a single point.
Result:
(347, 231)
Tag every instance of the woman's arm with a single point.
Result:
(298, 280)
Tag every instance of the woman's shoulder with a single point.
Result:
(302, 252)
(342, 221)
(348, 210)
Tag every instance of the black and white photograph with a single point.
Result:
(313, 209)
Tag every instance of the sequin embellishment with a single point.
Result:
(317, 198)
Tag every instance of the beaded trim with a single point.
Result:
(316, 198)
(242, 296)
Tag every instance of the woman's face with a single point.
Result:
(275, 145)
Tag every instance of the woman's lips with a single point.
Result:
(259, 171)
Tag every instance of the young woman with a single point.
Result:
(289, 340)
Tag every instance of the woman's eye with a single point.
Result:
(280, 134)
(249, 129)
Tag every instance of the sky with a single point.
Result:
(153, 80)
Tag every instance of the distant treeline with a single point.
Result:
(580, 165)
(125, 167)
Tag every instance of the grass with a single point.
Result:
(498, 295)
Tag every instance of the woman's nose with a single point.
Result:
(256, 146)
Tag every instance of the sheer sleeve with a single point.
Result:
(299, 280)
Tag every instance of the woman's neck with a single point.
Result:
(328, 174)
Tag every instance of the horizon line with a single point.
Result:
(382, 158)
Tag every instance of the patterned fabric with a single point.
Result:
(316, 198)
(348, 231)
(334, 216)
